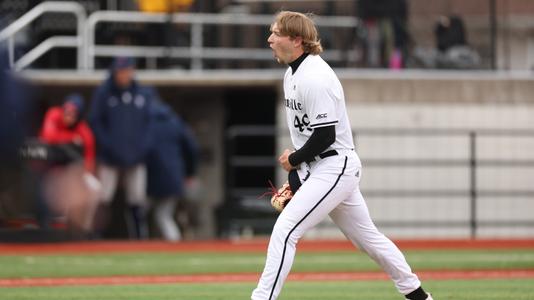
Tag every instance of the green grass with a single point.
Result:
(102, 264)
(520, 289)
(16, 266)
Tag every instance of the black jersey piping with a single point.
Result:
(301, 220)
(325, 123)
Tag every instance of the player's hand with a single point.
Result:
(77, 140)
(284, 160)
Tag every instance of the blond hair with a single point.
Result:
(295, 24)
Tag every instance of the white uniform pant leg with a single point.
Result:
(135, 179)
(327, 186)
(109, 177)
(352, 217)
(165, 218)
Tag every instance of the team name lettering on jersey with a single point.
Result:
(293, 104)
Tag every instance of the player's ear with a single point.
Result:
(297, 41)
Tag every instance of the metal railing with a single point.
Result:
(197, 52)
(472, 164)
(78, 41)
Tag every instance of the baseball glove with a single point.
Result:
(280, 197)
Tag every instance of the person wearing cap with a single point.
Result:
(68, 187)
(64, 125)
(120, 119)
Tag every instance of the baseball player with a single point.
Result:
(328, 167)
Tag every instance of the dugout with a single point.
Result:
(211, 105)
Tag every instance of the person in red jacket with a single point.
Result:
(69, 187)
(63, 125)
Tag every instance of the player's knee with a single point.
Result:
(281, 228)
(287, 233)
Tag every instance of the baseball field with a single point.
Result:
(228, 270)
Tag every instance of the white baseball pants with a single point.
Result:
(331, 189)
(134, 180)
(164, 213)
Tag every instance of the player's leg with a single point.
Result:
(164, 212)
(352, 217)
(135, 179)
(321, 192)
(108, 177)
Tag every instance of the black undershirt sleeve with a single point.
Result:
(318, 142)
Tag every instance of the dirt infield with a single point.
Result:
(247, 277)
(244, 246)
(249, 246)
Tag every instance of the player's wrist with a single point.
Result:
(293, 159)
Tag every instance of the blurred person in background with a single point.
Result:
(11, 126)
(169, 34)
(449, 31)
(162, 6)
(387, 36)
(14, 122)
(69, 186)
(64, 125)
(172, 165)
(121, 122)
(452, 49)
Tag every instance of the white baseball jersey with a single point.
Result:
(314, 98)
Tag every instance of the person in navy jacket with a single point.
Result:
(121, 123)
(171, 165)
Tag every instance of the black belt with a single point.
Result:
(323, 155)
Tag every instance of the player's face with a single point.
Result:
(123, 77)
(70, 114)
(283, 46)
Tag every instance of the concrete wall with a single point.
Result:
(444, 101)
